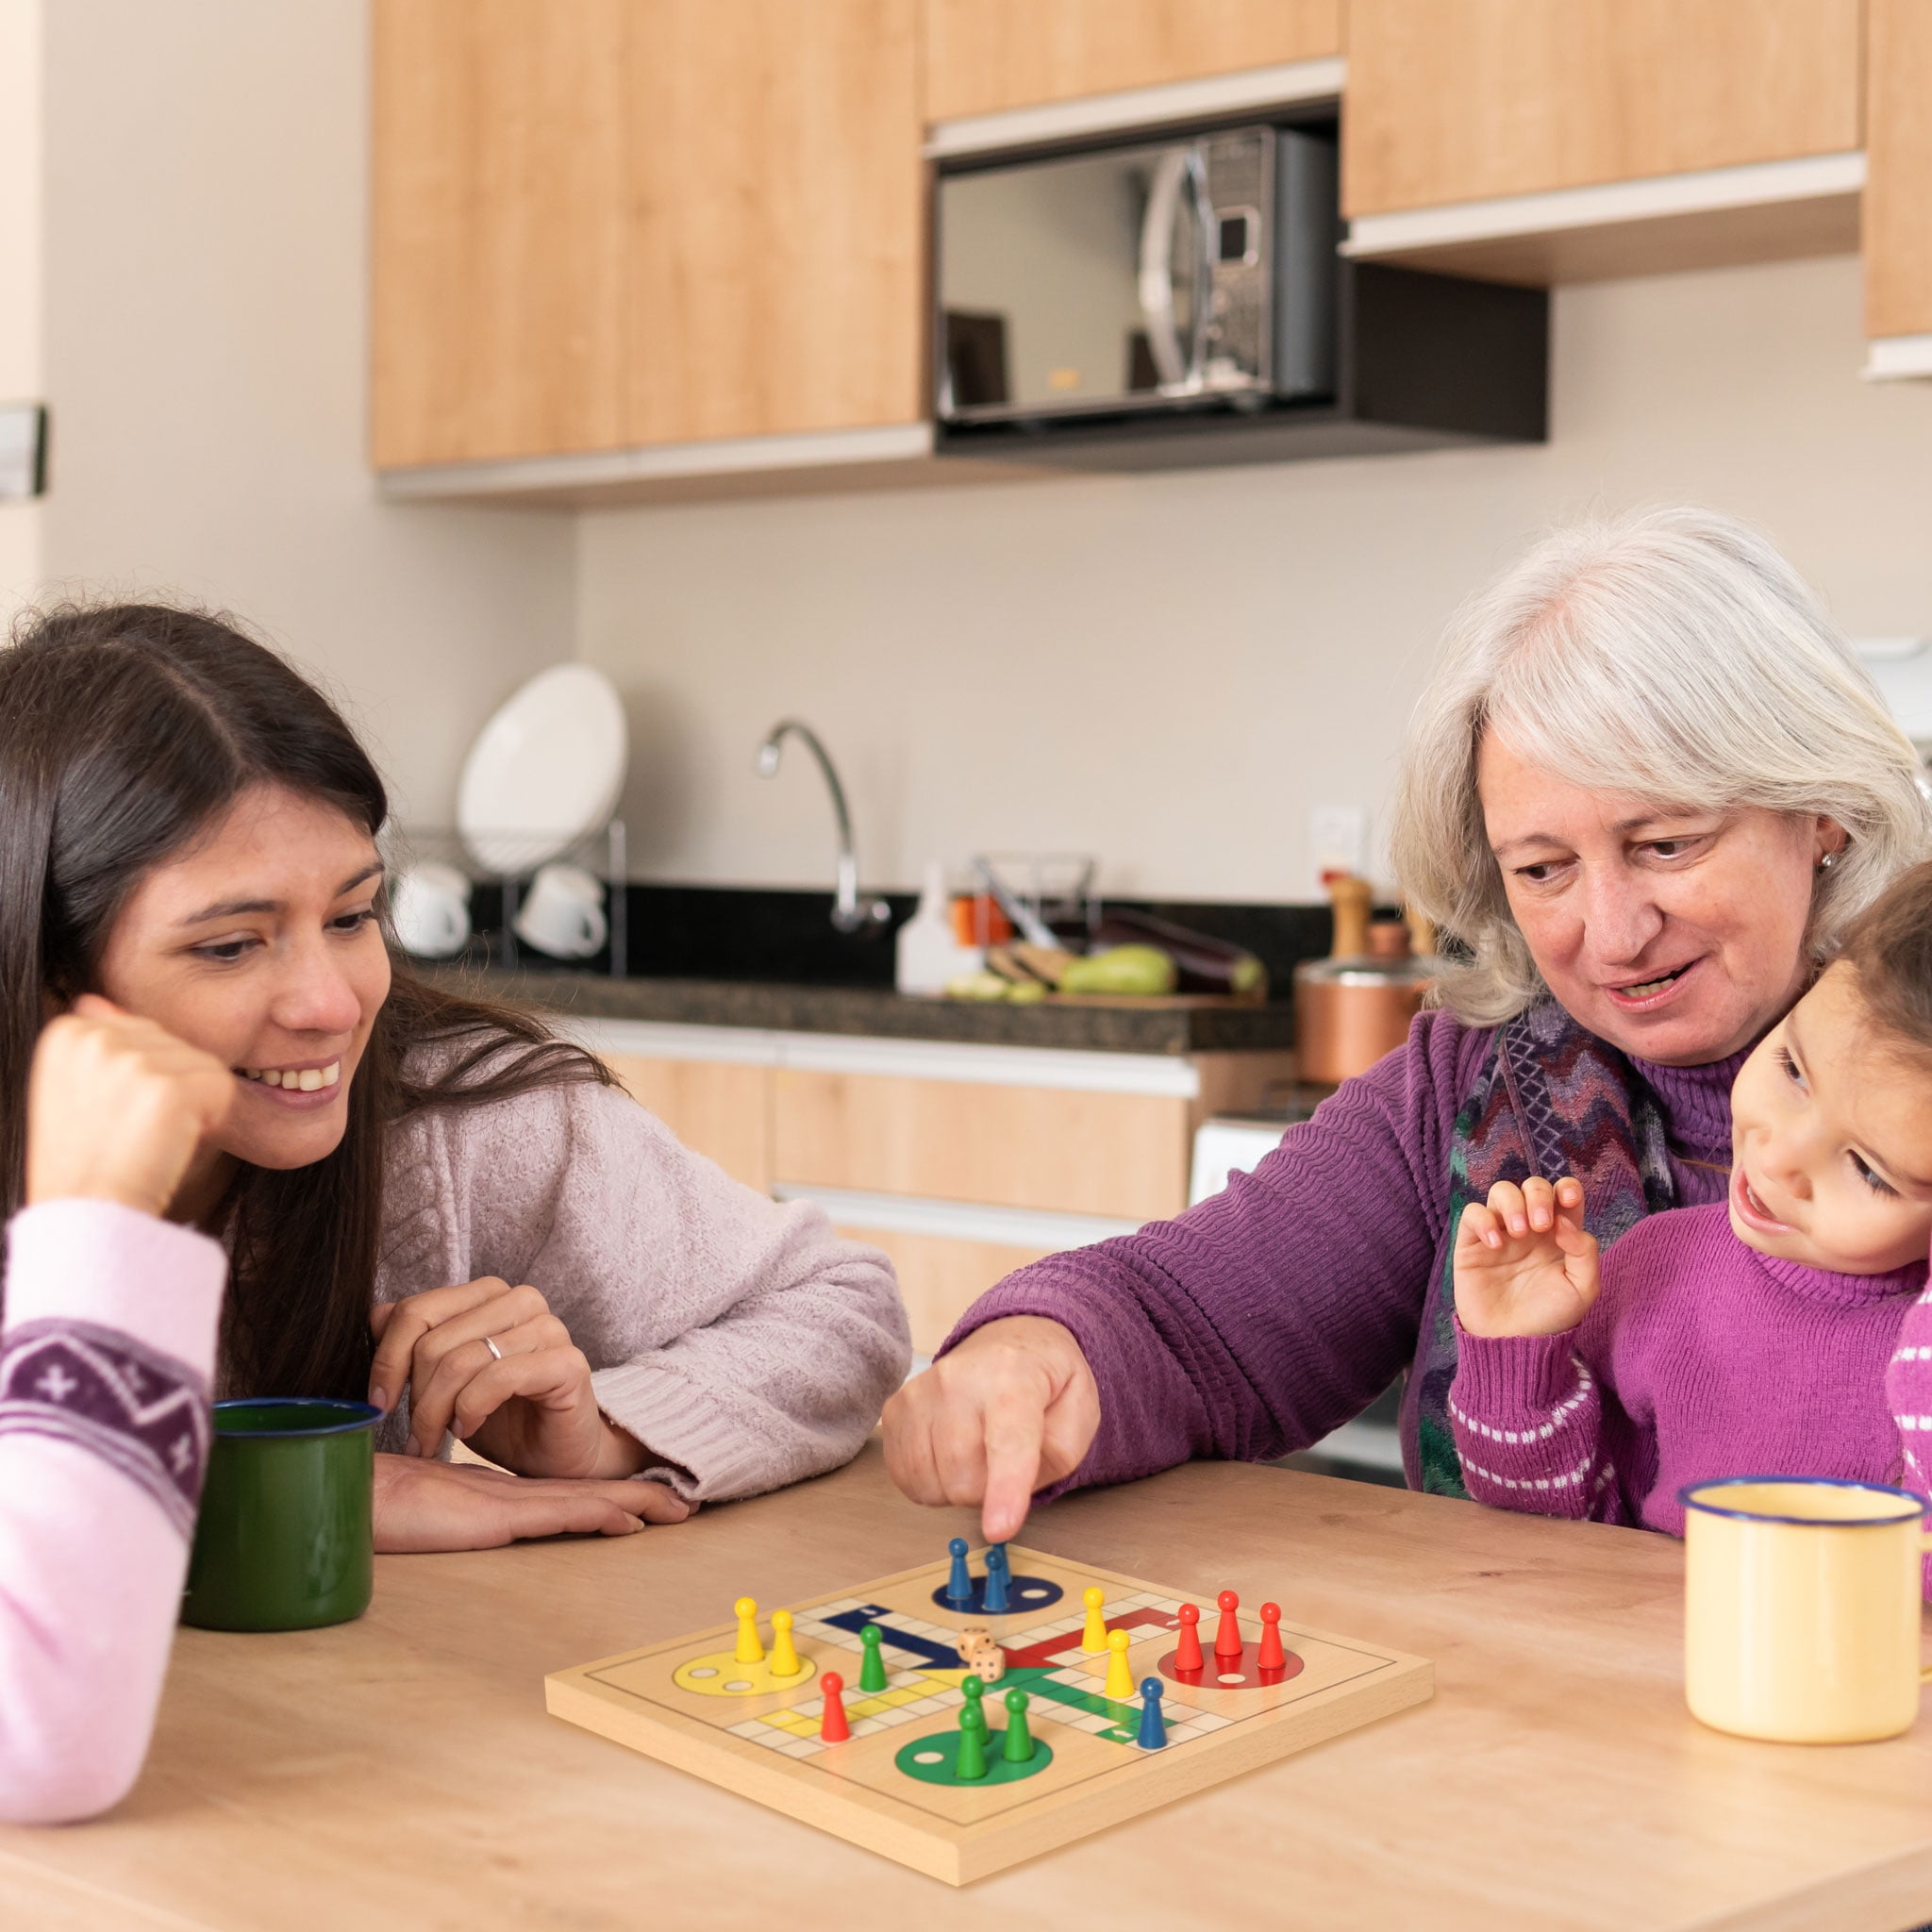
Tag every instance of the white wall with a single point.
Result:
(20, 274)
(205, 299)
(1172, 671)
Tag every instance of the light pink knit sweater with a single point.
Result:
(743, 1342)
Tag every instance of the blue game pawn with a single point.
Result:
(997, 1576)
(1152, 1723)
(960, 1584)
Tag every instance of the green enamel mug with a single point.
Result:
(284, 1539)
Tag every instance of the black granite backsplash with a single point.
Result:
(763, 937)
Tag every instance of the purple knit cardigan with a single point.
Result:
(1255, 1323)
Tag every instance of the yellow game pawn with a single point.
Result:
(785, 1661)
(1094, 1638)
(1120, 1678)
(749, 1651)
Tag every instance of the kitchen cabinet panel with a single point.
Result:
(1898, 182)
(940, 1278)
(498, 217)
(1121, 1154)
(1467, 100)
(777, 203)
(982, 56)
(605, 225)
(717, 1109)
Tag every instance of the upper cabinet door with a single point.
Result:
(601, 224)
(499, 248)
(777, 209)
(1898, 188)
(1464, 100)
(982, 56)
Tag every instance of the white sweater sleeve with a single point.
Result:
(105, 1354)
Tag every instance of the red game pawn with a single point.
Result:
(1271, 1657)
(833, 1729)
(1187, 1650)
(1227, 1639)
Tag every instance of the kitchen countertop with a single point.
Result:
(880, 1013)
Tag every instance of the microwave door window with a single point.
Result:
(1042, 283)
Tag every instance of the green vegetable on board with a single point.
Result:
(1143, 971)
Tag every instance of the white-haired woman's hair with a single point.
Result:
(1671, 655)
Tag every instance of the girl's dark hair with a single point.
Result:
(1890, 947)
(126, 730)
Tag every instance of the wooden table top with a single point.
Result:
(401, 1769)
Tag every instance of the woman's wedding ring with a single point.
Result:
(492, 1348)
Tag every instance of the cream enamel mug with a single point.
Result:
(1802, 1608)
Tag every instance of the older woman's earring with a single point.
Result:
(1826, 860)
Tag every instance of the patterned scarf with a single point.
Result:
(1549, 1099)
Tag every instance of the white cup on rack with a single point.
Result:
(563, 913)
(431, 910)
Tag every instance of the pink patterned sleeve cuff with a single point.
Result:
(1527, 1419)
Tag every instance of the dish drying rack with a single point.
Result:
(601, 852)
(1048, 897)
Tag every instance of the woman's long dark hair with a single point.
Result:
(126, 730)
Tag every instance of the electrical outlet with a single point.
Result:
(1338, 841)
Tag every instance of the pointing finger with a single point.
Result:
(1015, 1427)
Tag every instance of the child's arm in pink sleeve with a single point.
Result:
(1908, 1396)
(105, 1354)
(1527, 1419)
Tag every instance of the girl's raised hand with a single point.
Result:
(117, 1108)
(1526, 1264)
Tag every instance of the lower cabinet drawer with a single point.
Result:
(1123, 1155)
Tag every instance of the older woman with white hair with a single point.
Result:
(1647, 787)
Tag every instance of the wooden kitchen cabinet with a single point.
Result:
(615, 224)
(717, 1109)
(499, 266)
(1468, 100)
(777, 200)
(1898, 182)
(1121, 1154)
(985, 55)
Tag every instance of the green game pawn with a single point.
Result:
(971, 1763)
(872, 1672)
(1019, 1744)
(973, 1690)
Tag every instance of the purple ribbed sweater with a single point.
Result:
(1279, 1310)
(1699, 1358)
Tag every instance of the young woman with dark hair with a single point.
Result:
(423, 1199)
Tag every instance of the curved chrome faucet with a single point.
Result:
(850, 913)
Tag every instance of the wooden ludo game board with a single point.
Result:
(892, 1785)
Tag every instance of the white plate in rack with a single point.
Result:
(545, 770)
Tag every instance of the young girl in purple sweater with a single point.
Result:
(1785, 1331)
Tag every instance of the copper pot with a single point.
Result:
(1352, 1008)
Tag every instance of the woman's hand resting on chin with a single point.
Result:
(423, 1504)
(526, 1404)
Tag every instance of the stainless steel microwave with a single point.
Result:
(1192, 273)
